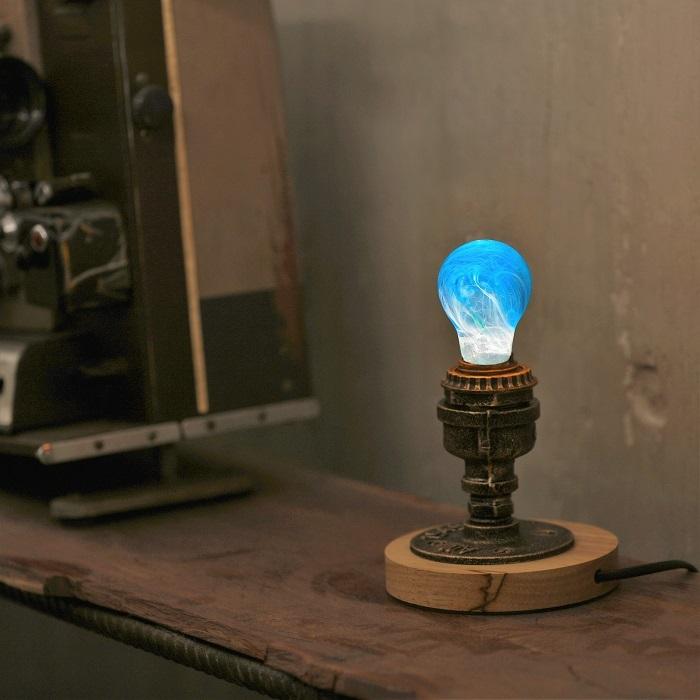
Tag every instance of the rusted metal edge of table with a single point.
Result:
(180, 648)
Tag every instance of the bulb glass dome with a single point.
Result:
(484, 287)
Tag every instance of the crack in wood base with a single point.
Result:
(553, 582)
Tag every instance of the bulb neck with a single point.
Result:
(472, 367)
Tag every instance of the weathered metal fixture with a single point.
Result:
(489, 415)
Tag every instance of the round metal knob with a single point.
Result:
(151, 107)
(39, 238)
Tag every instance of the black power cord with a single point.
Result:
(643, 570)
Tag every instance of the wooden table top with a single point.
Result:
(293, 576)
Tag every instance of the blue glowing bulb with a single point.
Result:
(484, 287)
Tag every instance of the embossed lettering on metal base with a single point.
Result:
(453, 544)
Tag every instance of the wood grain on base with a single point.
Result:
(553, 582)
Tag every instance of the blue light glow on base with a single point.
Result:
(484, 287)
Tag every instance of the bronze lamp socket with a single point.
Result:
(488, 416)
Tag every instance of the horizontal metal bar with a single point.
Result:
(60, 444)
(283, 412)
(108, 442)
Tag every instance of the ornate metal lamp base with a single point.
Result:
(521, 540)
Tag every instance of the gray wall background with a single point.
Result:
(569, 128)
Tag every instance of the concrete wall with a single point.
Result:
(568, 128)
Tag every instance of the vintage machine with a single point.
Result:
(148, 282)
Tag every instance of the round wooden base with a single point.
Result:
(552, 582)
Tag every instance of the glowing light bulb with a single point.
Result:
(484, 287)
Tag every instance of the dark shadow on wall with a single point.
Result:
(334, 95)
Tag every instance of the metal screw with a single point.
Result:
(39, 238)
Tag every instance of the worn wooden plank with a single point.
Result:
(293, 576)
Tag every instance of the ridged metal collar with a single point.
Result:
(508, 376)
